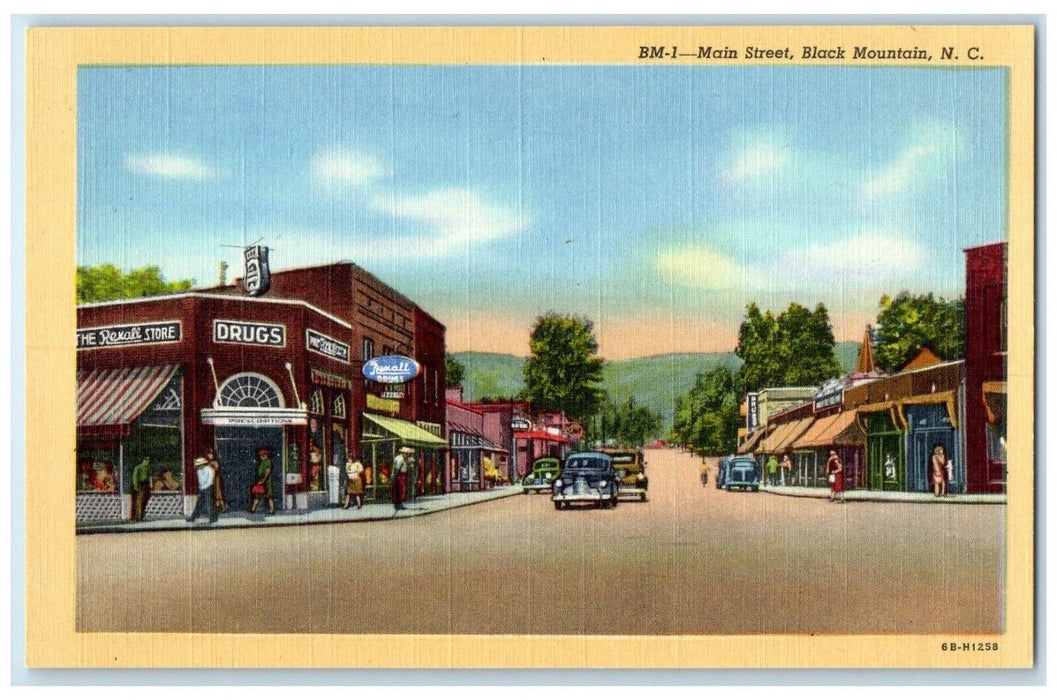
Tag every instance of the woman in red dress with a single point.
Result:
(835, 474)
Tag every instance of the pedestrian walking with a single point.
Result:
(786, 467)
(141, 489)
(353, 482)
(835, 474)
(219, 501)
(939, 470)
(262, 484)
(772, 471)
(205, 505)
(401, 467)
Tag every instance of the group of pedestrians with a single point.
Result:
(779, 473)
(211, 502)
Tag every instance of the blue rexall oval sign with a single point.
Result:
(391, 369)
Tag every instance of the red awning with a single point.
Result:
(108, 400)
(540, 435)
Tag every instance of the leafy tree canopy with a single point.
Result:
(909, 323)
(796, 348)
(707, 418)
(107, 282)
(631, 425)
(563, 372)
(454, 371)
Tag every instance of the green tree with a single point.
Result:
(454, 371)
(707, 418)
(107, 282)
(909, 323)
(563, 372)
(806, 346)
(759, 350)
(631, 425)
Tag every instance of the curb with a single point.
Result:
(174, 525)
(893, 497)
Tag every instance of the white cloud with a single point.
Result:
(758, 158)
(932, 147)
(169, 165)
(346, 166)
(454, 216)
(868, 257)
(703, 268)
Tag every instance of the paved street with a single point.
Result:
(692, 560)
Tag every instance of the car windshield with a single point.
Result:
(585, 466)
(743, 471)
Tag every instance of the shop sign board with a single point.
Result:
(334, 381)
(393, 391)
(829, 394)
(391, 369)
(520, 424)
(258, 278)
(325, 345)
(254, 416)
(249, 333)
(129, 334)
(377, 403)
(752, 414)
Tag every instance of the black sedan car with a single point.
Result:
(587, 478)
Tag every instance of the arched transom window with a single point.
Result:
(250, 391)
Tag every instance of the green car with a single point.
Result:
(544, 471)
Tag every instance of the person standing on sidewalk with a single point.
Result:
(141, 485)
(205, 504)
(401, 467)
(218, 483)
(353, 482)
(787, 470)
(939, 470)
(835, 474)
(772, 471)
(262, 484)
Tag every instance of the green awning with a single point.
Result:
(409, 433)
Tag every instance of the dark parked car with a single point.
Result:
(586, 478)
(630, 466)
(742, 473)
(544, 471)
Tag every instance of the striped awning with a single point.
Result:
(108, 400)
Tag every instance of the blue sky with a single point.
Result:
(657, 201)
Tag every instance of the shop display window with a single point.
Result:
(316, 456)
(97, 466)
(157, 434)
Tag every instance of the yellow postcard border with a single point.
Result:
(52, 58)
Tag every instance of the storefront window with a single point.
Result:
(157, 435)
(338, 410)
(97, 466)
(337, 444)
(315, 401)
(316, 457)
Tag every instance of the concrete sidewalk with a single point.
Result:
(892, 496)
(423, 505)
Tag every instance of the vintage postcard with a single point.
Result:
(530, 347)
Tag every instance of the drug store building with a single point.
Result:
(165, 378)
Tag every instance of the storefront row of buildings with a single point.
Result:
(280, 366)
(884, 428)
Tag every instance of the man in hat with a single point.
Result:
(262, 485)
(205, 504)
(401, 467)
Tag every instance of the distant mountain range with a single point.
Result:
(655, 382)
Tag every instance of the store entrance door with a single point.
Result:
(237, 451)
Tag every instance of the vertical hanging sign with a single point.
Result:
(258, 277)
